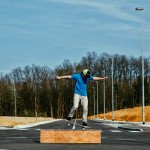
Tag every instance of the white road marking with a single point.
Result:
(115, 131)
(17, 137)
(22, 129)
(135, 131)
(127, 140)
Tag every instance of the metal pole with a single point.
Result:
(104, 96)
(142, 42)
(15, 98)
(97, 97)
(143, 99)
(94, 100)
(112, 69)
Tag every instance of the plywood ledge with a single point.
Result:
(70, 136)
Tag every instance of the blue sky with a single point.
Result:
(46, 32)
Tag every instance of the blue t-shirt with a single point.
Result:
(81, 84)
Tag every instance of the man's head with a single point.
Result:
(85, 73)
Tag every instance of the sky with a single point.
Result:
(46, 32)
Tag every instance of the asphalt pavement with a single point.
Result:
(115, 136)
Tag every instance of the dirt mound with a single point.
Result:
(131, 115)
(13, 121)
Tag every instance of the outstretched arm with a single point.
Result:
(99, 78)
(63, 77)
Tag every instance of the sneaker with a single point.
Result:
(68, 118)
(84, 124)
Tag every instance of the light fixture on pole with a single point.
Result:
(142, 42)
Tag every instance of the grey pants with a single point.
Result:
(84, 103)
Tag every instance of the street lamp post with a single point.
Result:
(142, 42)
(14, 89)
(94, 100)
(104, 95)
(97, 97)
(112, 69)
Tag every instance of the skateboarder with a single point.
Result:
(80, 92)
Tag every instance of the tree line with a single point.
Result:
(35, 91)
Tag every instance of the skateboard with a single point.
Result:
(76, 124)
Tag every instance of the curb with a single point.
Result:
(129, 128)
(118, 122)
